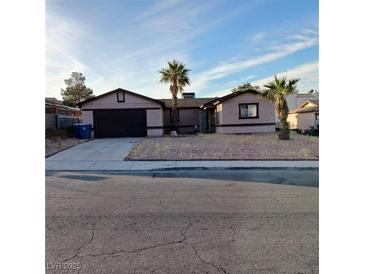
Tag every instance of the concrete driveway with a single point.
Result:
(93, 155)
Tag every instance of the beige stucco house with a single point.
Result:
(305, 116)
(122, 113)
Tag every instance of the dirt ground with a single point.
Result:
(57, 144)
(258, 146)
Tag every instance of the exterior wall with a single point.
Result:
(245, 129)
(188, 119)
(153, 110)
(218, 113)
(305, 120)
(88, 118)
(154, 132)
(301, 121)
(228, 113)
(154, 119)
(292, 120)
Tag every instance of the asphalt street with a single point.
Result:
(233, 221)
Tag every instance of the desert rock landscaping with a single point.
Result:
(257, 146)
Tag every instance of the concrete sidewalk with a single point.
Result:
(119, 165)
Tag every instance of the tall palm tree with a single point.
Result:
(276, 91)
(176, 74)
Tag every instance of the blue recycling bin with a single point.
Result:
(77, 131)
(85, 131)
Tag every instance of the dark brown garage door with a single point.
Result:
(120, 123)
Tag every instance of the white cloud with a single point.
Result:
(62, 37)
(225, 69)
(131, 63)
(158, 8)
(307, 73)
(258, 37)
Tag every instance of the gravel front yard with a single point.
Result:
(258, 146)
(54, 145)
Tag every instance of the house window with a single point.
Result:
(178, 115)
(120, 96)
(248, 111)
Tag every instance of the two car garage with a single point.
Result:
(120, 123)
(122, 113)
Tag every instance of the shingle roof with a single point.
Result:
(229, 96)
(187, 102)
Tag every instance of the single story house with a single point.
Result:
(123, 113)
(305, 116)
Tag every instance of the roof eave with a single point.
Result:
(120, 89)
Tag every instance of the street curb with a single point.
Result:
(222, 160)
(189, 169)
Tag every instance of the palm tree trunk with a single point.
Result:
(284, 131)
(173, 89)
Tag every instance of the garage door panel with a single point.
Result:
(120, 123)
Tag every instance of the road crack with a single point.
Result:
(220, 269)
(79, 249)
(133, 251)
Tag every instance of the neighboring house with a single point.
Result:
(59, 115)
(122, 113)
(305, 116)
(295, 100)
(242, 112)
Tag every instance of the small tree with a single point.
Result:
(76, 91)
(177, 75)
(244, 87)
(277, 91)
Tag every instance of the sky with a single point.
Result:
(124, 43)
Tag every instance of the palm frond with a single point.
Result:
(175, 73)
(279, 87)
